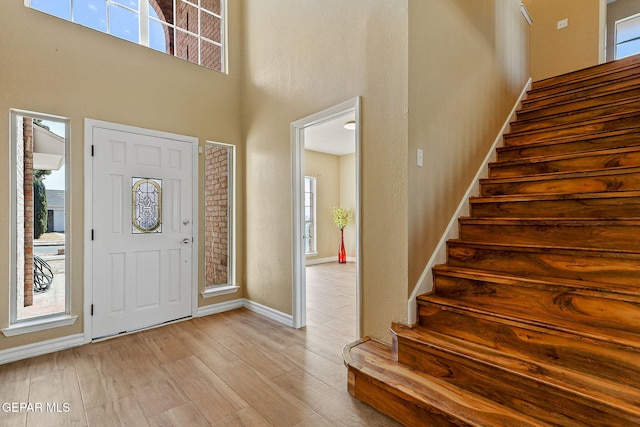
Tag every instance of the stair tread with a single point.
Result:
(556, 157)
(586, 74)
(591, 136)
(595, 252)
(547, 196)
(607, 291)
(631, 103)
(586, 97)
(589, 387)
(584, 123)
(565, 175)
(374, 360)
(619, 338)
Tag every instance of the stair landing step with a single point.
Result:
(608, 395)
(415, 398)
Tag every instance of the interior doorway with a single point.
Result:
(326, 174)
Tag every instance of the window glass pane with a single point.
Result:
(161, 10)
(210, 27)
(132, 4)
(217, 218)
(40, 218)
(627, 30)
(211, 5)
(627, 49)
(186, 46)
(159, 36)
(91, 13)
(59, 8)
(211, 55)
(308, 199)
(124, 24)
(308, 212)
(187, 16)
(307, 185)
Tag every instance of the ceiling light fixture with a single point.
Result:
(351, 125)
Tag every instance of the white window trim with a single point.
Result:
(55, 320)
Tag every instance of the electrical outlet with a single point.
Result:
(420, 157)
(563, 23)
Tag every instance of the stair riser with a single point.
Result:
(577, 266)
(563, 304)
(571, 131)
(570, 208)
(529, 397)
(597, 359)
(579, 164)
(621, 140)
(621, 85)
(575, 116)
(585, 236)
(582, 79)
(619, 182)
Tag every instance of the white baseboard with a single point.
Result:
(269, 313)
(325, 260)
(40, 348)
(425, 283)
(220, 307)
(328, 259)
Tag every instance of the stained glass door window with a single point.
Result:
(146, 205)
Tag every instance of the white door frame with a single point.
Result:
(297, 168)
(89, 125)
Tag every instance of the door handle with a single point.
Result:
(186, 240)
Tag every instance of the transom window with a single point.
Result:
(191, 30)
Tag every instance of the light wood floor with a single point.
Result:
(230, 369)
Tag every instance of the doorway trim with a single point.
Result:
(89, 126)
(297, 210)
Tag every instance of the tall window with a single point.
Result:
(39, 285)
(218, 219)
(309, 215)
(192, 30)
(628, 36)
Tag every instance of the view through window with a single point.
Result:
(39, 243)
(191, 30)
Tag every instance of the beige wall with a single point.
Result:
(577, 46)
(454, 114)
(617, 10)
(52, 66)
(303, 56)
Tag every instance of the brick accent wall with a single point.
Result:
(216, 216)
(28, 210)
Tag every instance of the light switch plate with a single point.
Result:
(563, 23)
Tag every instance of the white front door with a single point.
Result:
(142, 230)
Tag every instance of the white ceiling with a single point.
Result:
(331, 137)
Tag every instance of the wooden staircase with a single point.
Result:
(535, 318)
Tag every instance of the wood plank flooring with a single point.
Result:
(231, 369)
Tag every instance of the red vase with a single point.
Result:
(342, 253)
